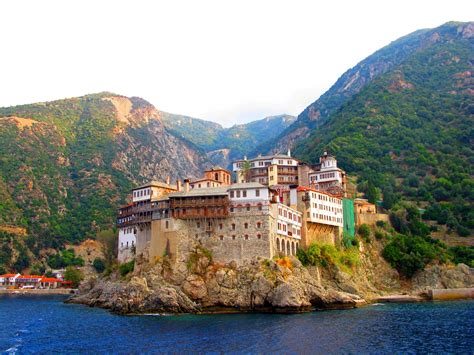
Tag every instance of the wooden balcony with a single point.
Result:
(199, 213)
(199, 203)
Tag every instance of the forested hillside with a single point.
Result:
(66, 165)
(226, 144)
(358, 77)
(409, 134)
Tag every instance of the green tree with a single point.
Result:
(74, 275)
(372, 194)
(99, 265)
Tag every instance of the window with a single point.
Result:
(246, 237)
(198, 225)
(233, 237)
(208, 184)
(259, 224)
(238, 193)
(259, 206)
(259, 236)
(244, 193)
(248, 207)
(233, 226)
(257, 193)
(232, 209)
(232, 194)
(220, 226)
(221, 237)
(246, 225)
(167, 224)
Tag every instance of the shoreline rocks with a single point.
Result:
(259, 286)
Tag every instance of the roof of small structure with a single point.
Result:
(208, 191)
(217, 168)
(305, 188)
(246, 185)
(163, 185)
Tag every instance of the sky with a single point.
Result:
(225, 61)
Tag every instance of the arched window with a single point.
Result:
(233, 226)
(233, 237)
(288, 249)
(259, 224)
(246, 225)
(221, 237)
(293, 250)
(259, 236)
(246, 237)
(247, 207)
(216, 176)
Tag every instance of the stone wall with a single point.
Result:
(143, 237)
(321, 234)
(125, 254)
(370, 218)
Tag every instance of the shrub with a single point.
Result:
(364, 232)
(462, 254)
(74, 275)
(463, 231)
(408, 254)
(379, 235)
(126, 268)
(326, 254)
(381, 224)
(99, 265)
(285, 261)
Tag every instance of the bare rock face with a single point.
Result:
(441, 277)
(257, 285)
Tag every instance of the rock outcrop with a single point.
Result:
(197, 284)
(260, 285)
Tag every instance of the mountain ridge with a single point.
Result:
(353, 80)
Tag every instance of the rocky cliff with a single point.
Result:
(281, 285)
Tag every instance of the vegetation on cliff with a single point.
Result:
(408, 134)
(239, 140)
(66, 165)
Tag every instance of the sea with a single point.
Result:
(45, 324)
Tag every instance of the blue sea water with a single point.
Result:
(44, 324)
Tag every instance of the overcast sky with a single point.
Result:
(225, 61)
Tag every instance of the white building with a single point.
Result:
(328, 175)
(268, 170)
(126, 243)
(323, 207)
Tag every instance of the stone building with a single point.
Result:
(265, 214)
(322, 214)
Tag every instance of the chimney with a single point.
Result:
(178, 184)
(186, 185)
(168, 180)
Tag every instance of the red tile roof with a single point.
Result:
(50, 279)
(305, 188)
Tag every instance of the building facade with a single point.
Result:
(267, 213)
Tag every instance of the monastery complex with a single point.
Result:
(268, 206)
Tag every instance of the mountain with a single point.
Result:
(66, 165)
(409, 131)
(226, 144)
(357, 78)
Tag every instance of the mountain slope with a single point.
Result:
(225, 144)
(410, 132)
(352, 82)
(66, 165)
